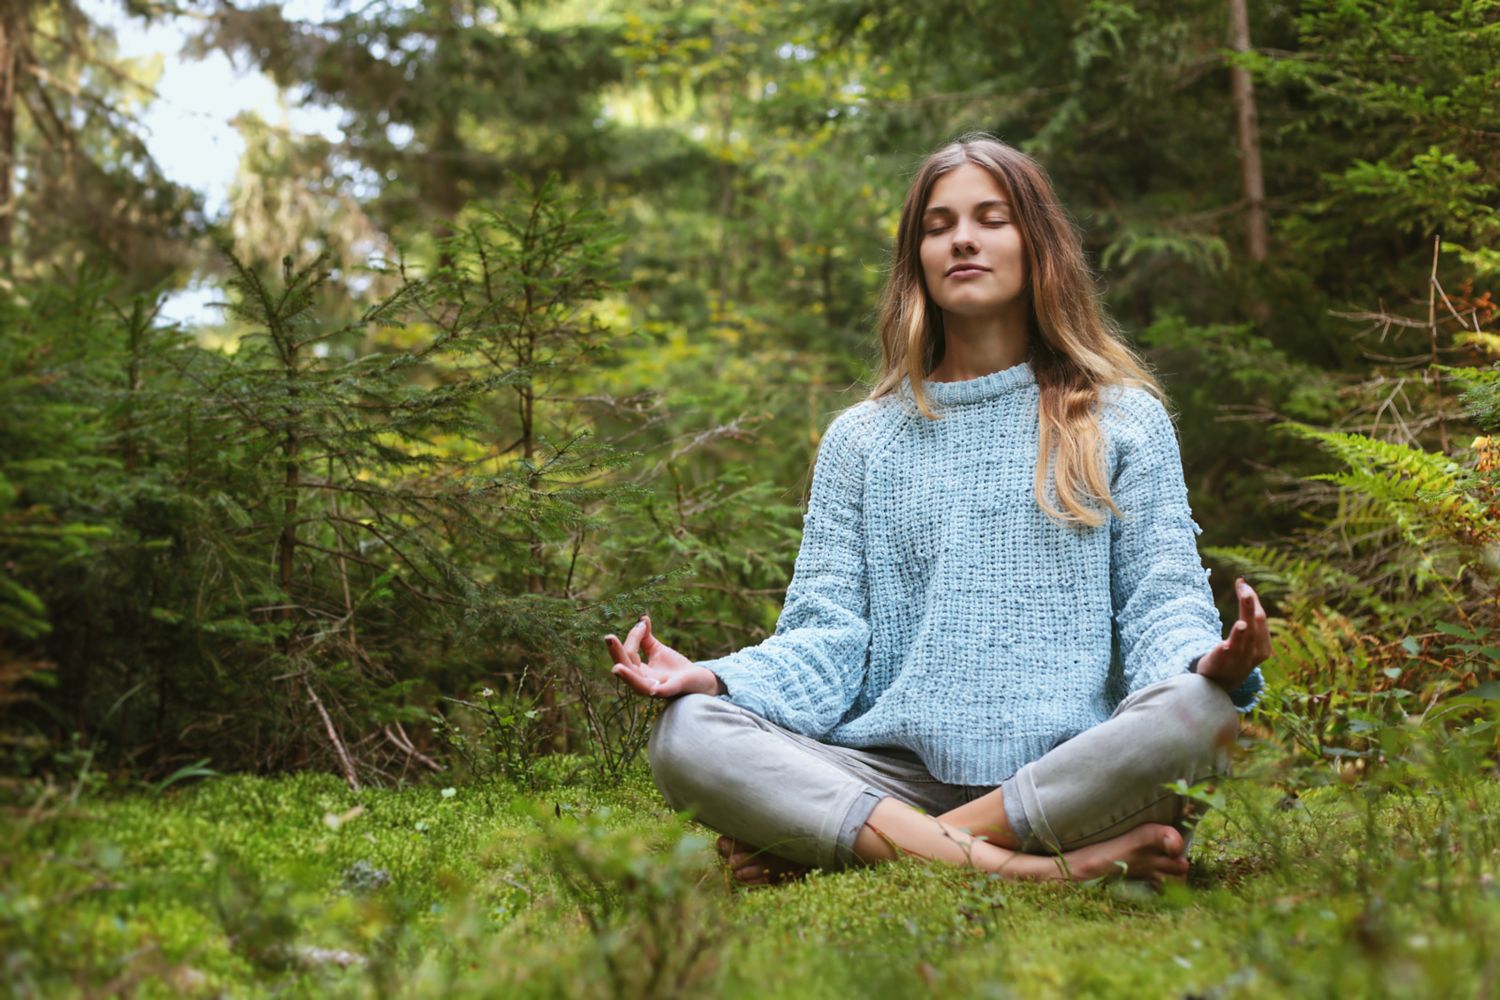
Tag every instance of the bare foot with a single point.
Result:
(754, 867)
(1153, 852)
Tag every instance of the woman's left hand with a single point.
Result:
(1249, 643)
(664, 672)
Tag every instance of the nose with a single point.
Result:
(963, 238)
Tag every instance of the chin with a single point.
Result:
(976, 307)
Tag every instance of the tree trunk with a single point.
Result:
(440, 187)
(1248, 135)
(528, 344)
(286, 544)
(13, 17)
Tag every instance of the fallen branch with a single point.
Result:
(404, 744)
(345, 763)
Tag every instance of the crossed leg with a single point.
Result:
(1093, 806)
(1150, 851)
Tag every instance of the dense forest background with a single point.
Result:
(303, 688)
(548, 339)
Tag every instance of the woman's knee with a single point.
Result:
(1198, 714)
(677, 748)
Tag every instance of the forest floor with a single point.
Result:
(244, 886)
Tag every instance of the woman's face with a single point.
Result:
(973, 256)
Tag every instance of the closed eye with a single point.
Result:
(988, 222)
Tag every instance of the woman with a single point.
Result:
(999, 642)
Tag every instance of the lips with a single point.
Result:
(965, 269)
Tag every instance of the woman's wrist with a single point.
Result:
(1213, 673)
(701, 680)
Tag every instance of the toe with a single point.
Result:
(751, 875)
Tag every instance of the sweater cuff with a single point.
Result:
(740, 685)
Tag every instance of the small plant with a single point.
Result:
(617, 720)
(654, 927)
(500, 735)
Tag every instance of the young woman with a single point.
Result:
(999, 643)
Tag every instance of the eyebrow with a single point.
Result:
(945, 210)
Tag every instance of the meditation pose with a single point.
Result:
(999, 646)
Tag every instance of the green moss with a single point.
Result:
(582, 890)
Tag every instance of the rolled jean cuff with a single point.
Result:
(854, 820)
(1015, 810)
(1023, 808)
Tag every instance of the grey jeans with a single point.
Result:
(806, 800)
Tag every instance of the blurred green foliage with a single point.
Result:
(559, 326)
(1375, 886)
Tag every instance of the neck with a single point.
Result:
(978, 345)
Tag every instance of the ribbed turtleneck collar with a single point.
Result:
(976, 390)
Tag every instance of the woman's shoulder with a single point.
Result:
(858, 425)
(1133, 410)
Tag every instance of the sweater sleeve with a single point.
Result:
(806, 674)
(1163, 606)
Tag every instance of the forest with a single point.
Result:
(303, 687)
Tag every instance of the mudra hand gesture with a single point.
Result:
(1249, 643)
(653, 668)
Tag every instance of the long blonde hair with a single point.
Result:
(1075, 348)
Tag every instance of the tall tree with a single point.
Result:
(14, 19)
(1247, 133)
(441, 98)
(76, 180)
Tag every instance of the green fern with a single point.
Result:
(1426, 495)
(1473, 376)
(1300, 581)
(1481, 397)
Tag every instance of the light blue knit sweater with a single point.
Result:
(934, 606)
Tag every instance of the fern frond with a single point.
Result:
(1426, 494)
(1474, 376)
(1283, 573)
(1481, 394)
(1323, 652)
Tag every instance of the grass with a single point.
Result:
(296, 886)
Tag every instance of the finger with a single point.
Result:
(1238, 636)
(656, 687)
(624, 671)
(1246, 595)
(633, 638)
(1262, 630)
(649, 642)
(1228, 649)
(620, 653)
(1227, 643)
(1251, 610)
(637, 681)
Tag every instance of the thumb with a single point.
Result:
(649, 642)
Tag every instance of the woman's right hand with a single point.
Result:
(664, 672)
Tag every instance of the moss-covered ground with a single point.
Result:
(245, 886)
